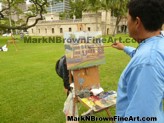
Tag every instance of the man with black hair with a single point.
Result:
(141, 85)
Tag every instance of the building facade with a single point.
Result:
(90, 21)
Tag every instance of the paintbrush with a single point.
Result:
(100, 46)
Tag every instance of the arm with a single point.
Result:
(145, 92)
(127, 49)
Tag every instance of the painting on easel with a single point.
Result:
(84, 49)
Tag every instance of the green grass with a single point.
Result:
(30, 90)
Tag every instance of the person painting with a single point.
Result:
(141, 85)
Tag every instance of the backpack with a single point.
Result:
(62, 72)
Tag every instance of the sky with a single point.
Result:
(27, 2)
(0, 6)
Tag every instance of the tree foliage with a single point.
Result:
(117, 7)
(77, 7)
(15, 9)
(119, 10)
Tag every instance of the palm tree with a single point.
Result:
(93, 6)
(77, 6)
(119, 8)
(106, 5)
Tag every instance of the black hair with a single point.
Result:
(151, 13)
(61, 70)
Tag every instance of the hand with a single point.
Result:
(118, 45)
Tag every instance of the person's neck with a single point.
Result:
(147, 34)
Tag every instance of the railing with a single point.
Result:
(63, 21)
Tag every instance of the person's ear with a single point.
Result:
(138, 22)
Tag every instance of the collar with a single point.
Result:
(147, 40)
(150, 39)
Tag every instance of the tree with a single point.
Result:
(106, 5)
(93, 6)
(119, 10)
(12, 8)
(77, 7)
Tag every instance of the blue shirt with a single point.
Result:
(141, 85)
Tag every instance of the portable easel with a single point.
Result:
(12, 40)
(86, 78)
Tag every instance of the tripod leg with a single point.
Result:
(109, 114)
(14, 43)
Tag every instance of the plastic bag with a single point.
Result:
(68, 106)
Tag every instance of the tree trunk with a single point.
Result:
(106, 22)
(96, 21)
(117, 22)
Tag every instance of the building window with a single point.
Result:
(32, 30)
(70, 29)
(89, 29)
(80, 28)
(107, 31)
(38, 30)
(53, 30)
(45, 30)
(61, 30)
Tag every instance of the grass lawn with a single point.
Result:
(30, 90)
